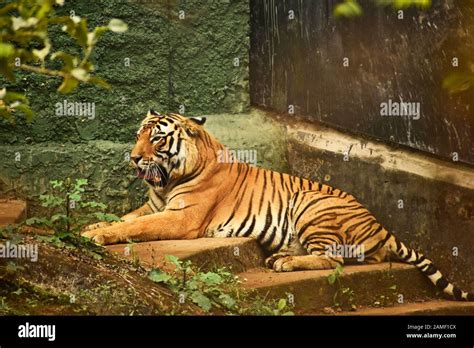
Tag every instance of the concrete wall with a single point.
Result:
(426, 202)
(340, 71)
(173, 62)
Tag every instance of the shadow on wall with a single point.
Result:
(343, 71)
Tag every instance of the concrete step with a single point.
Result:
(240, 254)
(436, 307)
(12, 211)
(360, 285)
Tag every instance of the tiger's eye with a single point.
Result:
(157, 139)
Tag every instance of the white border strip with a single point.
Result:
(324, 138)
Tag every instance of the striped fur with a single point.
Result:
(192, 194)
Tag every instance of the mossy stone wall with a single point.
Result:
(162, 62)
(187, 56)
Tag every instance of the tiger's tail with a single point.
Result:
(426, 266)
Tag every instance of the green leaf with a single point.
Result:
(26, 110)
(6, 50)
(38, 221)
(42, 53)
(57, 217)
(211, 278)
(117, 25)
(80, 74)
(99, 82)
(159, 276)
(81, 182)
(332, 278)
(174, 260)
(56, 183)
(201, 300)
(107, 217)
(75, 196)
(349, 8)
(69, 84)
(227, 301)
(458, 82)
(281, 304)
(14, 96)
(69, 61)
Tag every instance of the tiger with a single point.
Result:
(193, 193)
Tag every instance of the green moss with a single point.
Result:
(104, 163)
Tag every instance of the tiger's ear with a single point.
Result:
(152, 112)
(198, 120)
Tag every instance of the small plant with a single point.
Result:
(344, 296)
(389, 298)
(220, 290)
(69, 212)
(4, 307)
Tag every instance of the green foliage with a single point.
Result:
(401, 4)
(458, 82)
(344, 296)
(352, 8)
(348, 8)
(25, 45)
(220, 290)
(336, 274)
(69, 212)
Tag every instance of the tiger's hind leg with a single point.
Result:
(293, 249)
(318, 231)
(320, 255)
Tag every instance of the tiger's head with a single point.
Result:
(168, 147)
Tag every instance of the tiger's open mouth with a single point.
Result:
(156, 175)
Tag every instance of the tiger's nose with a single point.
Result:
(136, 159)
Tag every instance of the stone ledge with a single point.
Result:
(438, 307)
(312, 291)
(238, 253)
(12, 211)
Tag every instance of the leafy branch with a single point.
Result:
(25, 45)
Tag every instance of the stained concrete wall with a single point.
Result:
(340, 71)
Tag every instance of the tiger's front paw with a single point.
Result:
(97, 225)
(285, 264)
(270, 261)
(101, 236)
